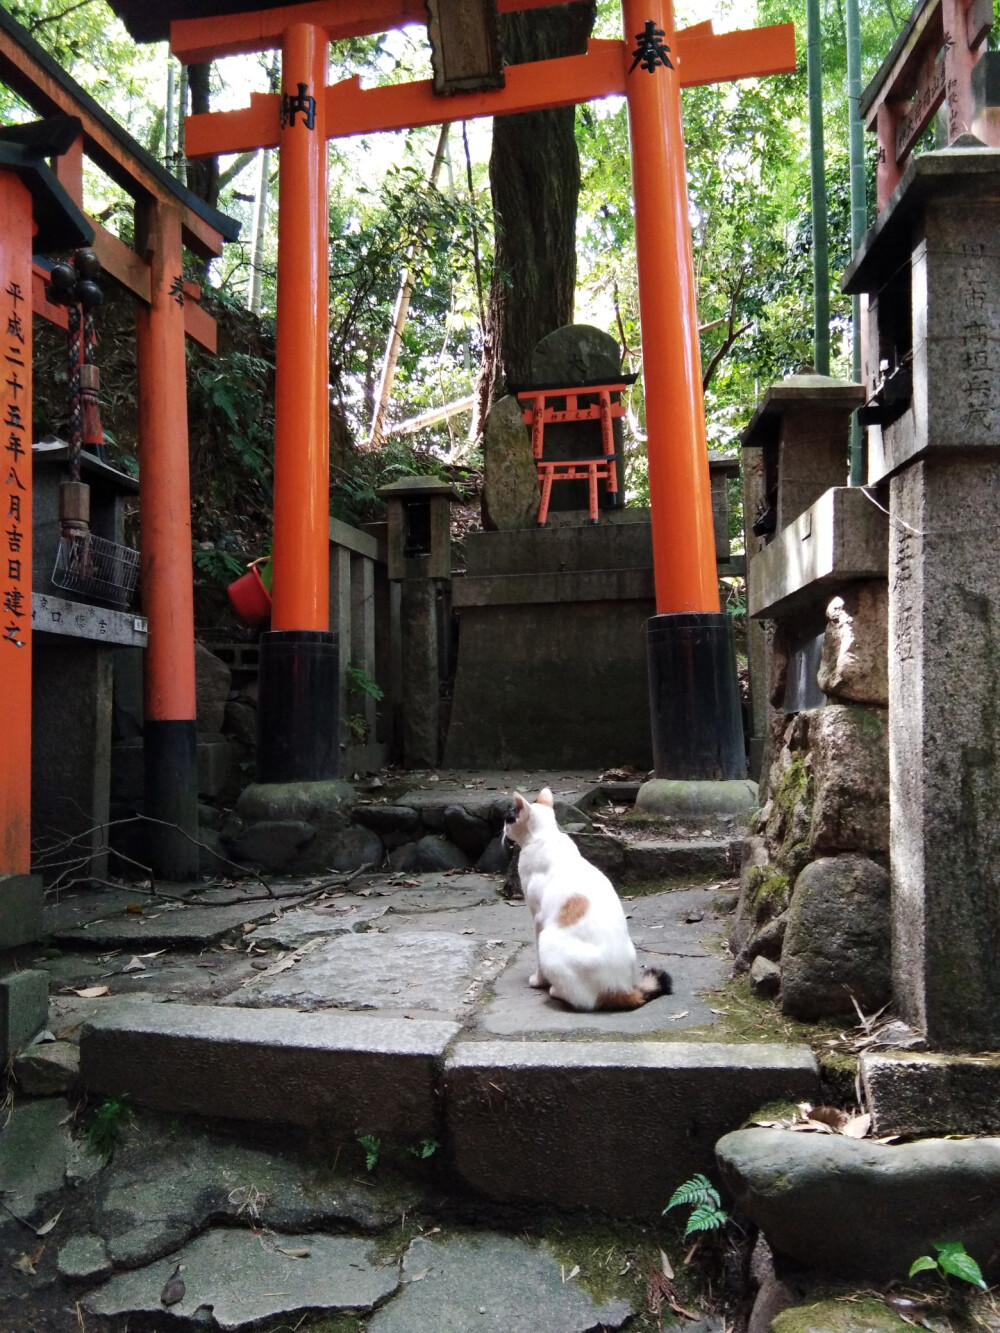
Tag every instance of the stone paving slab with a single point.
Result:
(491, 1284)
(611, 1125)
(432, 971)
(344, 1073)
(33, 1153)
(168, 1180)
(234, 1279)
(181, 926)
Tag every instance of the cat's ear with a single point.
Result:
(521, 803)
(545, 797)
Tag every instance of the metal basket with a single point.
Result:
(96, 568)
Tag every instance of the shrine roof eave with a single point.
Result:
(227, 227)
(151, 23)
(870, 93)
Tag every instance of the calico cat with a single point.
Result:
(585, 956)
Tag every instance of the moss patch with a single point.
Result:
(853, 1315)
(768, 891)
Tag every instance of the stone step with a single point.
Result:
(614, 1126)
(631, 860)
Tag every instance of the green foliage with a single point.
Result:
(372, 1146)
(106, 1126)
(219, 566)
(707, 1213)
(360, 682)
(424, 1149)
(952, 1260)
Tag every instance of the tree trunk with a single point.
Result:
(202, 172)
(535, 179)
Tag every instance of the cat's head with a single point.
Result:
(524, 815)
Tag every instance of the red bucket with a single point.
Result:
(250, 599)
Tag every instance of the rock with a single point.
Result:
(209, 817)
(82, 1259)
(855, 660)
(494, 1284)
(510, 480)
(744, 922)
(470, 834)
(772, 1297)
(574, 353)
(863, 1209)
(394, 824)
(83, 1163)
(766, 942)
(212, 683)
(498, 812)
(765, 977)
(430, 853)
(512, 880)
(213, 854)
(242, 1282)
(47, 1068)
(837, 942)
(326, 806)
(850, 771)
(495, 858)
(571, 819)
(352, 848)
(865, 1315)
(240, 723)
(271, 843)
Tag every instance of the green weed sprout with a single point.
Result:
(707, 1213)
(372, 1147)
(107, 1125)
(425, 1148)
(952, 1258)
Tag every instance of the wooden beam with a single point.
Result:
(40, 304)
(194, 41)
(603, 71)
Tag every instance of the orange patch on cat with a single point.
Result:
(574, 909)
(620, 999)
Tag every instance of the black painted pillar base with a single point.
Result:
(170, 751)
(297, 706)
(694, 698)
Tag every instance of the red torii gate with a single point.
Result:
(692, 672)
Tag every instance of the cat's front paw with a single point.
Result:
(537, 980)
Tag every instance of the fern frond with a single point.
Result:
(698, 1191)
(705, 1217)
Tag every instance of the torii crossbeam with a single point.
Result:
(692, 674)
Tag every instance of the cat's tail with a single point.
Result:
(652, 983)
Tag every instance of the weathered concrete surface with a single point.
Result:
(33, 1148)
(497, 1284)
(20, 910)
(342, 1072)
(430, 971)
(928, 1092)
(83, 1259)
(649, 1114)
(859, 1208)
(24, 1002)
(182, 926)
(234, 1279)
(168, 1180)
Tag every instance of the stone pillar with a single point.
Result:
(933, 263)
(944, 741)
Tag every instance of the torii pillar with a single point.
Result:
(696, 714)
(694, 698)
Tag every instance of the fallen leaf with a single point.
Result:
(155, 954)
(134, 966)
(858, 1127)
(467, 931)
(665, 1265)
(419, 1277)
(136, 909)
(229, 948)
(66, 1032)
(23, 1264)
(46, 1227)
(173, 1289)
(293, 1253)
(434, 1231)
(829, 1115)
(683, 1014)
(248, 926)
(568, 1277)
(92, 992)
(693, 917)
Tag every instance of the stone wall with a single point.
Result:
(813, 921)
